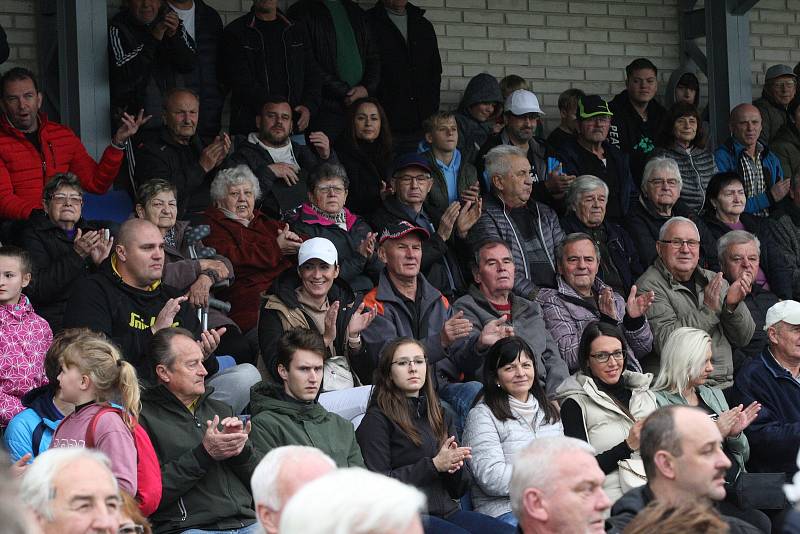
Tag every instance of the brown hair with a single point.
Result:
(666, 518)
(384, 140)
(392, 401)
(130, 508)
(99, 359)
(52, 359)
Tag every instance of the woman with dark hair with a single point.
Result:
(605, 405)
(365, 150)
(511, 412)
(325, 215)
(406, 435)
(681, 138)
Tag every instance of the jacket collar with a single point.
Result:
(251, 18)
(775, 368)
(17, 311)
(10, 129)
(310, 216)
(428, 294)
(697, 276)
(565, 289)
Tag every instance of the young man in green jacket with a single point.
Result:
(289, 414)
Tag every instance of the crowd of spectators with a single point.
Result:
(531, 333)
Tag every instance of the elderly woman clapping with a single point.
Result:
(658, 202)
(259, 248)
(63, 247)
(586, 204)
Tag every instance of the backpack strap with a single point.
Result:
(36, 438)
(90, 430)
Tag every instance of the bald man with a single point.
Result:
(744, 154)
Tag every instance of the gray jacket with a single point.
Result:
(675, 306)
(494, 444)
(528, 323)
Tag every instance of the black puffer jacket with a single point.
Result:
(198, 491)
(56, 265)
(246, 72)
(411, 70)
(318, 24)
(389, 451)
(643, 225)
(365, 170)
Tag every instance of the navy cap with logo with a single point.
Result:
(591, 106)
(401, 229)
(411, 159)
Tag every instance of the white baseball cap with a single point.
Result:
(521, 102)
(787, 311)
(317, 248)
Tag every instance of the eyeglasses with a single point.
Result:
(602, 357)
(406, 179)
(61, 198)
(784, 85)
(677, 244)
(659, 182)
(130, 529)
(405, 362)
(325, 189)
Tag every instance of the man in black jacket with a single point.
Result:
(267, 54)
(205, 455)
(148, 48)
(411, 68)
(281, 165)
(179, 155)
(344, 50)
(204, 28)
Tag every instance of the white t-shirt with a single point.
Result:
(187, 17)
(283, 154)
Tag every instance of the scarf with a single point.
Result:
(528, 411)
(340, 219)
(169, 238)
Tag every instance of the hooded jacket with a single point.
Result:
(56, 265)
(727, 157)
(198, 491)
(528, 322)
(31, 430)
(359, 272)
(246, 69)
(24, 170)
(411, 69)
(472, 134)
(786, 145)
(281, 310)
(389, 451)
(279, 420)
(676, 306)
(784, 232)
(530, 271)
(104, 303)
(633, 135)
(773, 117)
(24, 340)
(254, 253)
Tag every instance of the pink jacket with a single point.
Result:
(24, 340)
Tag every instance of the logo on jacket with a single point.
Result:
(138, 322)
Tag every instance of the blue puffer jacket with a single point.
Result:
(775, 434)
(21, 431)
(727, 159)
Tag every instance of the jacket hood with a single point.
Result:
(482, 87)
(40, 400)
(266, 396)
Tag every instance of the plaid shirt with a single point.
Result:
(566, 314)
(752, 174)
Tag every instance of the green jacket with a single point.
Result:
(437, 201)
(786, 145)
(738, 446)
(198, 492)
(675, 306)
(277, 422)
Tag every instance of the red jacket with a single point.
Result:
(257, 261)
(24, 171)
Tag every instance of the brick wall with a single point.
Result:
(554, 44)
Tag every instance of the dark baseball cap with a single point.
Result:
(411, 159)
(591, 106)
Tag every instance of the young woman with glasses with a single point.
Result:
(605, 405)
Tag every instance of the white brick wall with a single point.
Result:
(554, 44)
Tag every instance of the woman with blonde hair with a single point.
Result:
(93, 375)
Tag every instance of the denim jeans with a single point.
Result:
(463, 522)
(460, 397)
(509, 518)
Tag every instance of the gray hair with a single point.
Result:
(683, 358)
(673, 221)
(64, 179)
(536, 467)
(37, 489)
(327, 171)
(497, 160)
(735, 237)
(233, 176)
(657, 163)
(583, 184)
(266, 480)
(352, 501)
(574, 238)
